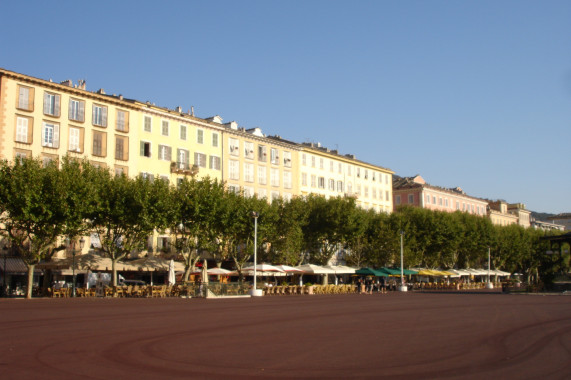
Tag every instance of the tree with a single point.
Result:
(286, 241)
(128, 210)
(198, 205)
(37, 209)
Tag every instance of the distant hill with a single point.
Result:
(541, 216)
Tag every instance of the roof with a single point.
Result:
(404, 183)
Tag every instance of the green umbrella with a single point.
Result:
(371, 272)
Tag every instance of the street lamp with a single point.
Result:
(4, 290)
(255, 291)
(73, 252)
(402, 287)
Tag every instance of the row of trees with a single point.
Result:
(41, 205)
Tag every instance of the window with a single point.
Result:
(200, 159)
(165, 152)
(76, 110)
(411, 198)
(262, 173)
(313, 180)
(397, 199)
(274, 157)
(121, 148)
(287, 159)
(262, 193)
(366, 174)
(303, 159)
(215, 162)
(148, 176)
(348, 169)
(275, 195)
(199, 136)
(440, 201)
(331, 166)
(25, 98)
(51, 104)
(287, 180)
(215, 139)
(374, 192)
(387, 195)
(427, 199)
(321, 183)
(121, 170)
(446, 202)
(349, 188)
(248, 172)
(304, 179)
(165, 128)
(248, 191)
(366, 191)
(340, 186)
(50, 135)
(235, 189)
(145, 149)
(249, 149)
(24, 129)
(75, 139)
(433, 200)
(99, 144)
(99, 115)
(234, 169)
(182, 159)
(340, 168)
(358, 172)
(312, 161)
(331, 184)
(262, 153)
(275, 176)
(183, 132)
(321, 163)
(122, 121)
(147, 124)
(234, 145)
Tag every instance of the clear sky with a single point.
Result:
(475, 94)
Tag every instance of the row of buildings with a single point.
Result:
(41, 118)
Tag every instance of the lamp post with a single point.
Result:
(255, 291)
(4, 290)
(402, 287)
(73, 252)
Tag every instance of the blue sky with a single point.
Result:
(475, 94)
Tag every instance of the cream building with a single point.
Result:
(499, 215)
(259, 165)
(324, 171)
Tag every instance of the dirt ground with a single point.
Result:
(397, 335)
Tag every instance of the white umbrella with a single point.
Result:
(264, 268)
(172, 276)
(315, 269)
(219, 271)
(205, 272)
(288, 269)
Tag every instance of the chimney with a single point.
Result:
(67, 82)
(101, 91)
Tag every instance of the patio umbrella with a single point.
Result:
(264, 269)
(371, 272)
(218, 271)
(205, 272)
(288, 269)
(172, 275)
(314, 269)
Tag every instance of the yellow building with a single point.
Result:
(174, 144)
(499, 215)
(39, 118)
(325, 172)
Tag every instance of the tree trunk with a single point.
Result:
(30, 280)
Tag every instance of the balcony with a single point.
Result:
(184, 168)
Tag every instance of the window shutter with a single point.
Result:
(81, 111)
(56, 136)
(142, 148)
(104, 116)
(46, 103)
(56, 106)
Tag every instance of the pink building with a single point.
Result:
(414, 191)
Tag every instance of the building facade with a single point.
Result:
(563, 219)
(414, 191)
(330, 174)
